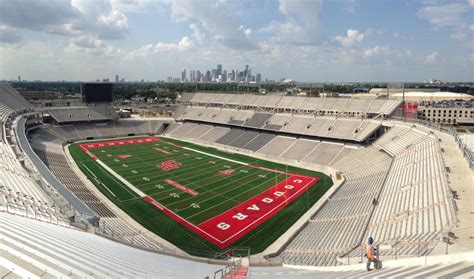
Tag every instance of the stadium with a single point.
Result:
(230, 186)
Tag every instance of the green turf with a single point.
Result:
(199, 172)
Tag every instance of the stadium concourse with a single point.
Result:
(405, 184)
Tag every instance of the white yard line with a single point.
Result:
(84, 165)
(215, 156)
(121, 179)
(98, 181)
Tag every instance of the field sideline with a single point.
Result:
(215, 199)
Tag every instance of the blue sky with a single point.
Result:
(305, 40)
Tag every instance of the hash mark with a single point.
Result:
(174, 195)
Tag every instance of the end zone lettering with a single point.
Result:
(231, 225)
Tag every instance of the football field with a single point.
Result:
(219, 196)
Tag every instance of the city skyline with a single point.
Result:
(303, 40)
(218, 75)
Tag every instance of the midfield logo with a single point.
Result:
(169, 165)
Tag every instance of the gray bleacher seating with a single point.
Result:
(324, 153)
(52, 154)
(244, 139)
(346, 213)
(258, 142)
(232, 135)
(214, 134)
(300, 149)
(328, 106)
(89, 113)
(11, 98)
(415, 198)
(258, 120)
(325, 127)
(32, 249)
(277, 146)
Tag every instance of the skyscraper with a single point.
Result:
(214, 74)
(219, 69)
(19, 78)
(183, 75)
(116, 78)
(198, 76)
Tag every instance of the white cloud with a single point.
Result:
(431, 57)
(151, 49)
(376, 51)
(301, 26)
(67, 18)
(444, 15)
(114, 19)
(91, 45)
(353, 37)
(471, 2)
(98, 17)
(35, 15)
(197, 34)
(247, 31)
(217, 18)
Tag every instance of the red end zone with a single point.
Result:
(86, 146)
(226, 228)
